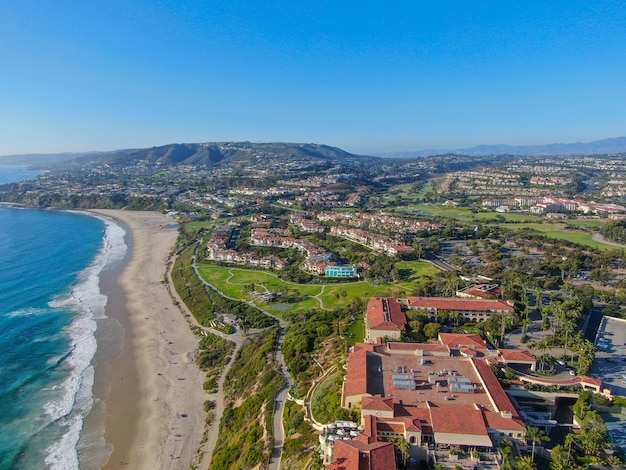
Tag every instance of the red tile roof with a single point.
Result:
(455, 304)
(458, 419)
(497, 421)
(483, 290)
(385, 314)
(376, 402)
(357, 455)
(356, 373)
(412, 347)
(390, 426)
(516, 354)
(454, 340)
(498, 396)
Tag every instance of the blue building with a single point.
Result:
(341, 271)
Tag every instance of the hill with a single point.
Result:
(196, 154)
(210, 154)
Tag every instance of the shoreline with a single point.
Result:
(151, 391)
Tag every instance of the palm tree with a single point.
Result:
(506, 465)
(569, 439)
(505, 452)
(536, 435)
(561, 459)
(525, 463)
(568, 327)
(402, 445)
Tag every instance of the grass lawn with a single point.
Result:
(405, 192)
(588, 223)
(409, 271)
(464, 214)
(560, 232)
(303, 297)
(356, 331)
(195, 227)
(232, 280)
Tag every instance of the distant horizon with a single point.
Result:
(379, 153)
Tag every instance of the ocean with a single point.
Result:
(51, 306)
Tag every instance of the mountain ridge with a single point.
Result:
(217, 153)
(603, 146)
(197, 154)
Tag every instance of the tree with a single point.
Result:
(561, 459)
(586, 355)
(536, 435)
(403, 447)
(431, 330)
(525, 463)
(567, 327)
(505, 452)
(595, 434)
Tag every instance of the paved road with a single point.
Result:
(599, 238)
(279, 405)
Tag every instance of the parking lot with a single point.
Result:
(610, 363)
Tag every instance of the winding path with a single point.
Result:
(599, 238)
(319, 299)
(281, 396)
(206, 450)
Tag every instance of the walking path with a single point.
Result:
(320, 301)
(309, 396)
(281, 396)
(206, 450)
(599, 238)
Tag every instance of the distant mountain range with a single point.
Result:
(220, 153)
(605, 146)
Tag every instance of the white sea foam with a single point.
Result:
(75, 398)
(27, 312)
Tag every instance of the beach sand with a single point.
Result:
(154, 396)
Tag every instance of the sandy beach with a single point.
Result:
(153, 412)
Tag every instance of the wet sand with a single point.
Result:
(152, 390)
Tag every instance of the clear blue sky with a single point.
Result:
(365, 76)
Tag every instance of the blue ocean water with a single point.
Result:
(50, 299)
(13, 173)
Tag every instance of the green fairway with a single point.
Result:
(238, 283)
(195, 227)
(559, 231)
(591, 224)
(410, 271)
(406, 194)
(464, 214)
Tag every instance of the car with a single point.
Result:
(572, 372)
(561, 362)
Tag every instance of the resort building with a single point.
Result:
(480, 291)
(363, 453)
(340, 270)
(474, 310)
(436, 396)
(384, 319)
(345, 448)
